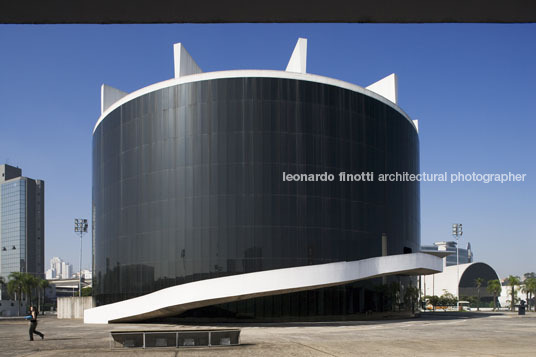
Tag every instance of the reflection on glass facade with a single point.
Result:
(21, 223)
(188, 185)
(13, 227)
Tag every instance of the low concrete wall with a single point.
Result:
(73, 307)
(11, 308)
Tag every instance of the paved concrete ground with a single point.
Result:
(433, 334)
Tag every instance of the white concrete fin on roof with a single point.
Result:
(249, 73)
(386, 87)
(184, 63)
(298, 60)
(110, 95)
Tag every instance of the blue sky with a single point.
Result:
(471, 86)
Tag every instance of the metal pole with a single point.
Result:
(457, 275)
(80, 226)
(80, 269)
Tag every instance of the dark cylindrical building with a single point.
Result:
(188, 184)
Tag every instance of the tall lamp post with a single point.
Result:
(80, 227)
(457, 233)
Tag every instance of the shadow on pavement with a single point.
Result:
(453, 315)
(359, 321)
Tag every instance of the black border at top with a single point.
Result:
(215, 11)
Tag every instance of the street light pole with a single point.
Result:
(80, 226)
(457, 233)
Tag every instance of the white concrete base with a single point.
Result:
(177, 299)
(74, 307)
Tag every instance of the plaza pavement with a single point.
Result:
(432, 334)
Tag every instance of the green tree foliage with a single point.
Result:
(447, 299)
(494, 287)
(87, 291)
(529, 275)
(530, 288)
(411, 297)
(2, 282)
(513, 281)
(391, 295)
(30, 282)
(15, 286)
(432, 300)
(42, 284)
(22, 285)
(471, 299)
(394, 294)
(478, 284)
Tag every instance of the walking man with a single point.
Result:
(33, 324)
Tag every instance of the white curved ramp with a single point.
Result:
(177, 299)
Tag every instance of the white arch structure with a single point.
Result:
(177, 299)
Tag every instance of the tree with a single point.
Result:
(530, 289)
(494, 287)
(530, 294)
(394, 294)
(433, 300)
(529, 275)
(20, 284)
(478, 284)
(471, 299)
(15, 286)
(411, 297)
(2, 284)
(30, 282)
(513, 281)
(447, 299)
(42, 285)
(87, 291)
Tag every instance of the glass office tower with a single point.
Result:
(13, 217)
(188, 185)
(21, 223)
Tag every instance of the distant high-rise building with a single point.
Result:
(66, 270)
(22, 223)
(55, 266)
(59, 269)
(49, 274)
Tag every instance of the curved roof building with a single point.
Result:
(190, 183)
(462, 277)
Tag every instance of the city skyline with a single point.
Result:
(468, 85)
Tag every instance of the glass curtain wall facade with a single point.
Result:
(188, 185)
(22, 223)
(13, 227)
